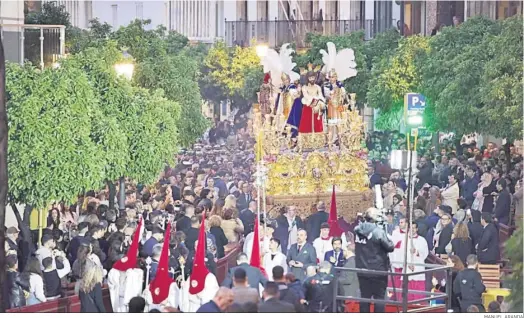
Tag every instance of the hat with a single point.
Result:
(324, 225)
(12, 230)
(445, 208)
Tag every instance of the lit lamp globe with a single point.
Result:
(262, 50)
(126, 67)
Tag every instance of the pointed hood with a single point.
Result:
(334, 228)
(129, 261)
(159, 287)
(199, 270)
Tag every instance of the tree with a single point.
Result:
(97, 34)
(501, 82)
(51, 154)
(451, 76)
(393, 76)
(177, 76)
(3, 171)
(513, 251)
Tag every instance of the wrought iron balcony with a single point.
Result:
(278, 32)
(39, 44)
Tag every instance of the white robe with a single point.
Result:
(248, 245)
(421, 246)
(269, 264)
(323, 246)
(190, 303)
(170, 301)
(397, 256)
(123, 286)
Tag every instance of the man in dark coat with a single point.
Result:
(254, 275)
(285, 227)
(271, 303)
(468, 285)
(469, 185)
(315, 221)
(244, 198)
(488, 247)
(503, 205)
(301, 255)
(247, 216)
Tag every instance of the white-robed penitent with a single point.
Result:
(190, 303)
(170, 301)
(397, 256)
(272, 260)
(124, 280)
(123, 286)
(420, 245)
(248, 245)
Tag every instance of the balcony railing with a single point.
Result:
(42, 45)
(278, 32)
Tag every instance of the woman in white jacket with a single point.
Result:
(36, 282)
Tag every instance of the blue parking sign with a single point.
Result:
(415, 101)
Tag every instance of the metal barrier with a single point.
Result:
(405, 291)
(277, 32)
(42, 45)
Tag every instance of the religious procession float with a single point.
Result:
(309, 135)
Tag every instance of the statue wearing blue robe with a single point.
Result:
(288, 103)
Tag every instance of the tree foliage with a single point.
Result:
(501, 83)
(513, 251)
(396, 75)
(52, 155)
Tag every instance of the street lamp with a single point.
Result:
(262, 50)
(125, 69)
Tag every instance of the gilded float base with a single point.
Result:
(348, 204)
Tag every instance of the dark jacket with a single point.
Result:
(319, 292)
(147, 248)
(444, 239)
(183, 224)
(274, 305)
(313, 225)
(503, 207)
(462, 248)
(210, 307)
(282, 231)
(73, 247)
(291, 295)
(248, 220)
(487, 206)
(13, 289)
(221, 240)
(469, 186)
(488, 251)
(468, 287)
(307, 256)
(338, 262)
(349, 280)
(191, 238)
(242, 201)
(372, 247)
(92, 302)
(254, 276)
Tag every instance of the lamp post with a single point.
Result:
(124, 69)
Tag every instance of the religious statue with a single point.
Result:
(265, 96)
(339, 66)
(288, 101)
(314, 103)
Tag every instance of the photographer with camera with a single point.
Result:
(372, 246)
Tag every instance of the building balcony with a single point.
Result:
(41, 45)
(277, 32)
